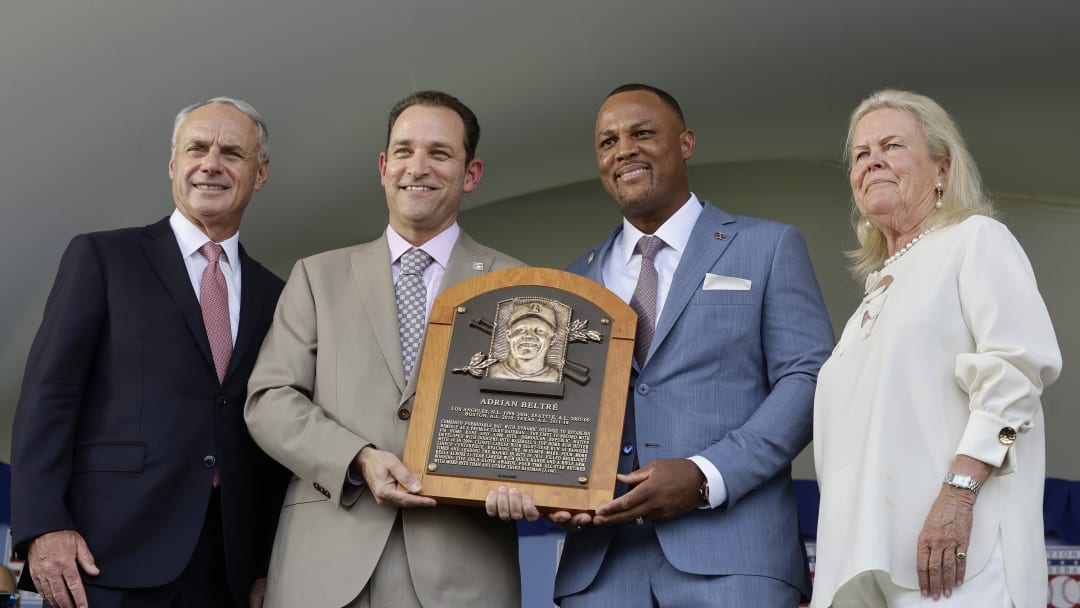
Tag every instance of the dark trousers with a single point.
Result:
(202, 584)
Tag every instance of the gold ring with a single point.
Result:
(960, 555)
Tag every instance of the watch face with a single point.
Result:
(963, 481)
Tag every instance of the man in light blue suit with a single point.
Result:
(721, 397)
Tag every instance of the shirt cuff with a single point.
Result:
(354, 482)
(717, 489)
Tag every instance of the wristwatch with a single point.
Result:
(962, 481)
(703, 492)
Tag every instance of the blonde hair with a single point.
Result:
(964, 194)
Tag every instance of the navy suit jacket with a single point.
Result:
(730, 376)
(121, 411)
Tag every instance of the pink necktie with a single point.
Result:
(214, 298)
(644, 300)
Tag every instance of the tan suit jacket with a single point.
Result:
(329, 381)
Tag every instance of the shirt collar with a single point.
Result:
(675, 232)
(190, 238)
(439, 247)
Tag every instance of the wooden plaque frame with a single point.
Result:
(617, 327)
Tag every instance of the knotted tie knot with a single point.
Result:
(414, 262)
(211, 251)
(648, 246)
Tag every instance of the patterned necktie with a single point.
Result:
(214, 299)
(411, 296)
(644, 300)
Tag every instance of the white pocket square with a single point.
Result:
(719, 281)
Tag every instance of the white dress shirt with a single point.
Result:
(621, 270)
(190, 238)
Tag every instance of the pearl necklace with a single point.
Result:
(899, 254)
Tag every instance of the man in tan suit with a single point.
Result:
(331, 396)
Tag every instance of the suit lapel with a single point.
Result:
(702, 251)
(163, 252)
(371, 270)
(468, 259)
(594, 263)
(594, 267)
(253, 298)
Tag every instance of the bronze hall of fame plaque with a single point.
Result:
(522, 383)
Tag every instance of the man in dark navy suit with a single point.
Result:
(134, 479)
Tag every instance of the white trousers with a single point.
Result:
(875, 589)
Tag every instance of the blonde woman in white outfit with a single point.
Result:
(928, 426)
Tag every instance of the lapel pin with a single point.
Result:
(719, 235)
(478, 266)
(592, 254)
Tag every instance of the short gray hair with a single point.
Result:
(964, 194)
(238, 104)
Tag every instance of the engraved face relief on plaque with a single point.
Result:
(528, 347)
(531, 331)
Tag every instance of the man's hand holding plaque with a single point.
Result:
(385, 475)
(510, 504)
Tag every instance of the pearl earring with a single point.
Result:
(939, 189)
(868, 224)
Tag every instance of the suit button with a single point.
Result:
(628, 448)
(209, 461)
(643, 389)
(222, 401)
(404, 413)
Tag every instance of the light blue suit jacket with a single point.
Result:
(730, 376)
